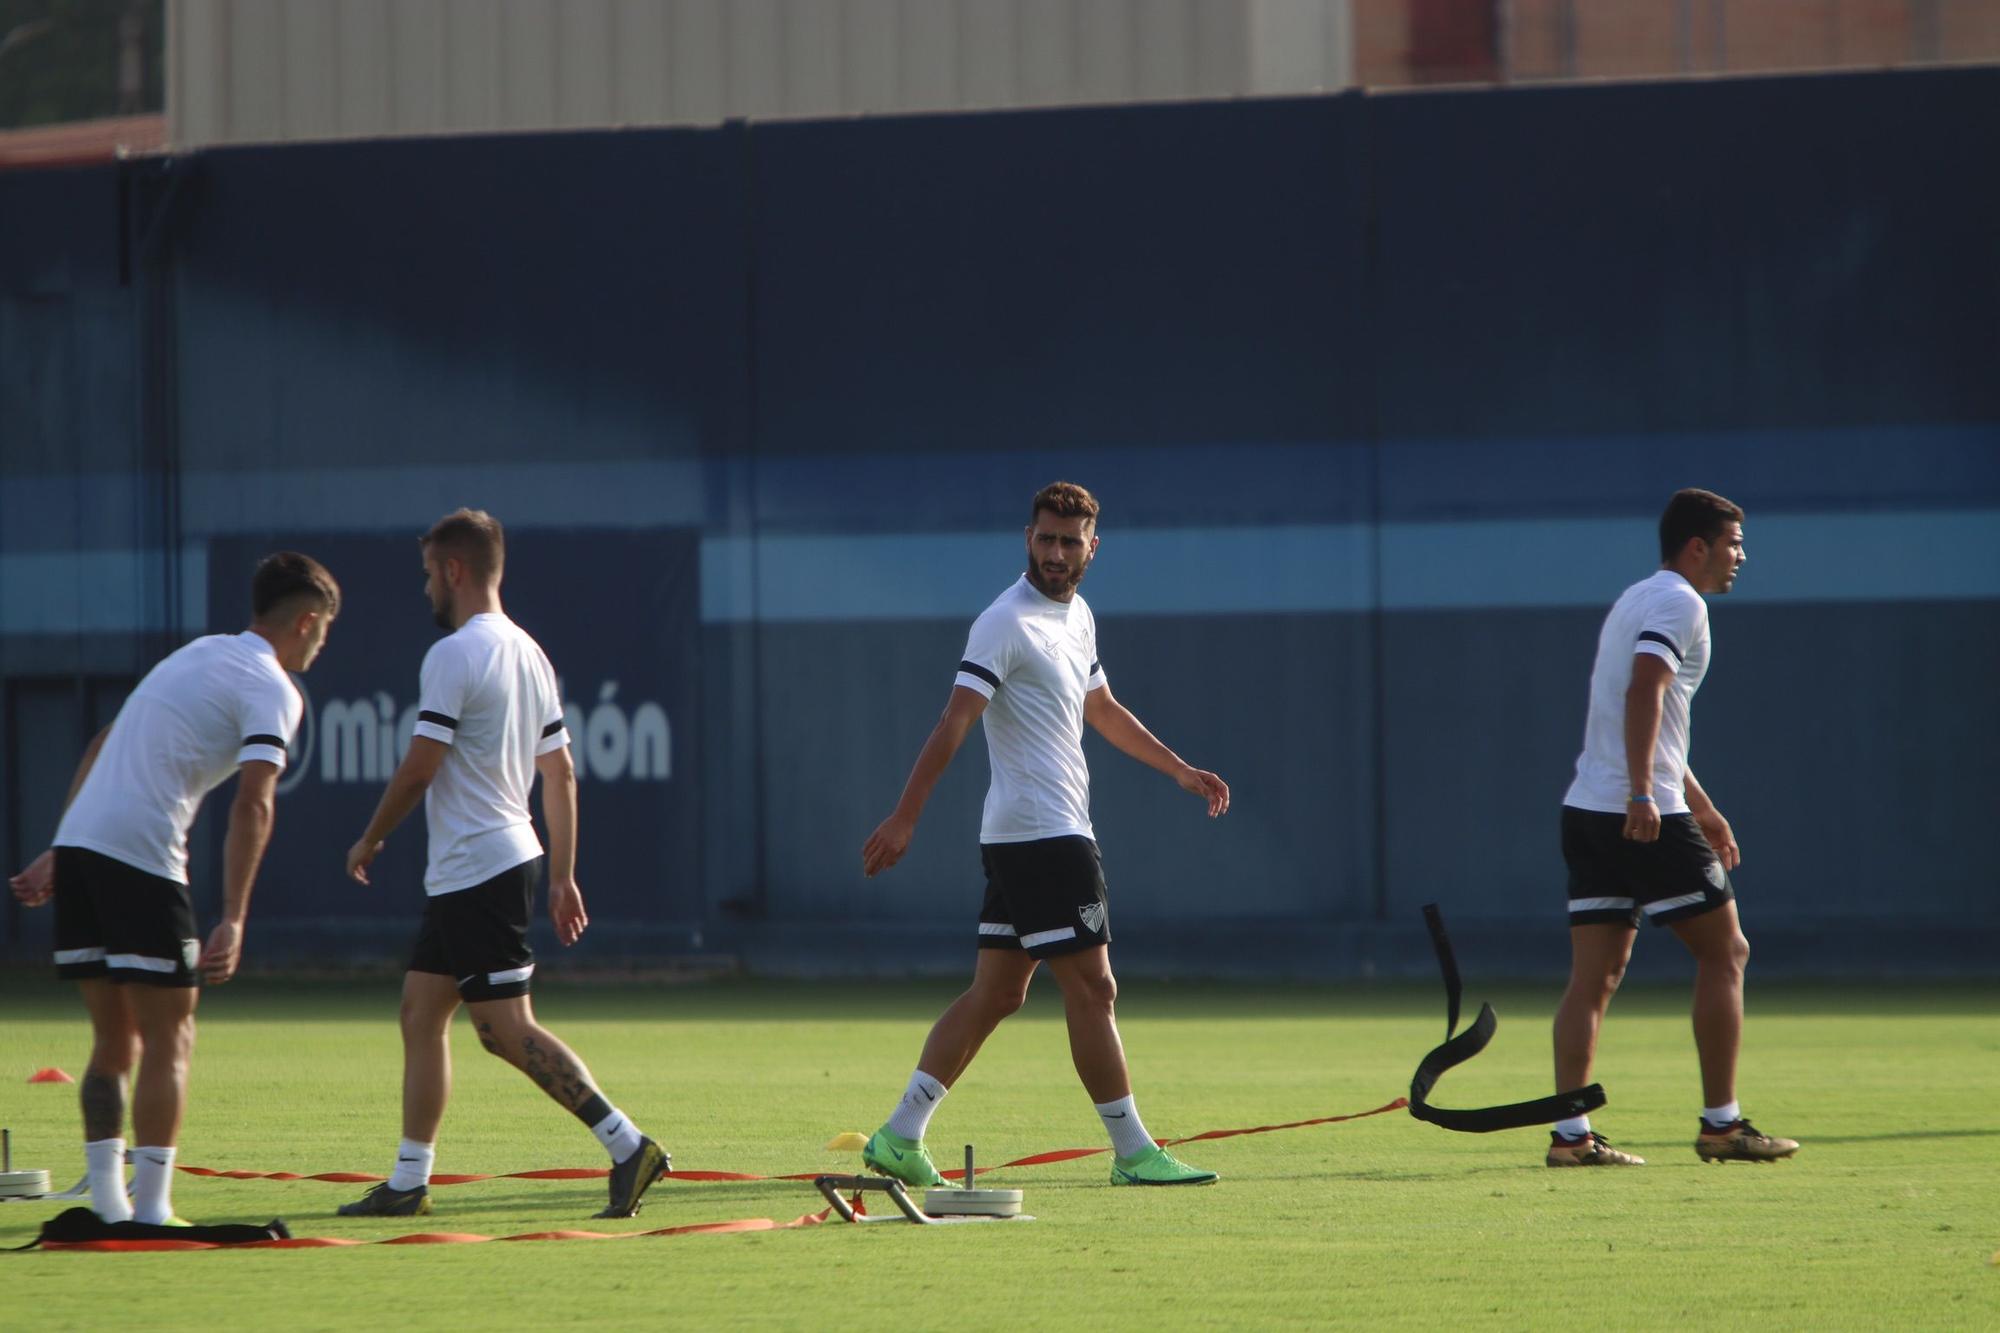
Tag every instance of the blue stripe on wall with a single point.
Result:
(99, 592)
(1773, 472)
(1862, 557)
(1424, 566)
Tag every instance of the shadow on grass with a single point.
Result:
(1895, 1135)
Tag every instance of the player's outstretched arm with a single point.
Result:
(891, 838)
(251, 816)
(1115, 722)
(1711, 823)
(558, 772)
(406, 788)
(35, 884)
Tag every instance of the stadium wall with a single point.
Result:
(1382, 396)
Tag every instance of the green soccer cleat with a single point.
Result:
(901, 1159)
(1157, 1166)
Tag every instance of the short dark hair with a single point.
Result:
(1064, 499)
(474, 536)
(1694, 513)
(286, 577)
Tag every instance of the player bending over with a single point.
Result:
(125, 930)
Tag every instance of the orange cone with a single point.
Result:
(50, 1075)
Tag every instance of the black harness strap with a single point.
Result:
(81, 1226)
(1456, 1050)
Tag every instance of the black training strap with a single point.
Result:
(81, 1226)
(1456, 1050)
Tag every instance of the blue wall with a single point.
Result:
(1382, 396)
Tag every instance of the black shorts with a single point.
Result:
(122, 923)
(1045, 896)
(479, 936)
(1613, 879)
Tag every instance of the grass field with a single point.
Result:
(1890, 1215)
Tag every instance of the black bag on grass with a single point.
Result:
(80, 1226)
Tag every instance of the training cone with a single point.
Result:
(50, 1075)
(848, 1142)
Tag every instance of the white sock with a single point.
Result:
(912, 1115)
(106, 1162)
(1121, 1120)
(1721, 1117)
(413, 1164)
(618, 1134)
(152, 1184)
(1576, 1127)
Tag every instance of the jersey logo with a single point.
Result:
(1046, 641)
(1093, 917)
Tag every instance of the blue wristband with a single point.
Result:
(1635, 800)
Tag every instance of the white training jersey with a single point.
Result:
(1664, 616)
(489, 693)
(1034, 659)
(205, 709)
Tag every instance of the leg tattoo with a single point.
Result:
(102, 1097)
(556, 1072)
(489, 1041)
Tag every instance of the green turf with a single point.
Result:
(1890, 1215)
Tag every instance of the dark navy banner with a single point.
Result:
(617, 614)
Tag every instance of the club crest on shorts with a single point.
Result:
(190, 954)
(1714, 872)
(1093, 917)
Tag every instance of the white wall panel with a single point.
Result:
(248, 70)
(698, 77)
(1047, 49)
(586, 57)
(929, 54)
(1105, 54)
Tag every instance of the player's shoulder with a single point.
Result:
(1662, 587)
(1005, 612)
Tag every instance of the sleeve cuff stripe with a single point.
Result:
(261, 738)
(1651, 636)
(552, 728)
(438, 719)
(974, 669)
(1096, 667)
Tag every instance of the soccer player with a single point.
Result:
(1031, 672)
(124, 928)
(489, 719)
(1641, 837)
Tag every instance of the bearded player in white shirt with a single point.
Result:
(1032, 674)
(1642, 838)
(489, 721)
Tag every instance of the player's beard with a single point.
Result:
(442, 614)
(1061, 585)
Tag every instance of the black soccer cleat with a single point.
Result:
(383, 1201)
(631, 1178)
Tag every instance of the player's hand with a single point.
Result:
(359, 857)
(1642, 821)
(223, 952)
(33, 886)
(566, 910)
(1720, 836)
(886, 845)
(1200, 782)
